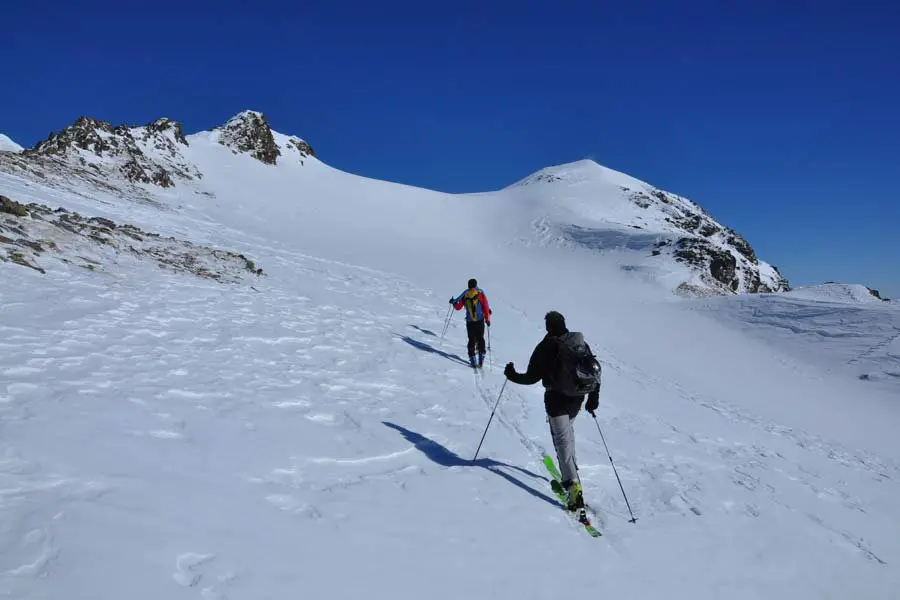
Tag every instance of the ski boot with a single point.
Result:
(576, 503)
(576, 497)
(481, 361)
(472, 362)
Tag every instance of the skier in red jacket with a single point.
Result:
(478, 314)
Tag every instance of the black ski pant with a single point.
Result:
(475, 331)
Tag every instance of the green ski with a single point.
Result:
(563, 497)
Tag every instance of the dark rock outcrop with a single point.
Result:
(12, 207)
(737, 241)
(302, 147)
(721, 266)
(127, 146)
(165, 124)
(718, 264)
(85, 133)
(249, 132)
(36, 234)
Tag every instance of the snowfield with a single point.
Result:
(307, 432)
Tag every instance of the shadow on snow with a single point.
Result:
(447, 458)
(431, 349)
(425, 331)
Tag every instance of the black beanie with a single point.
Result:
(555, 322)
(473, 283)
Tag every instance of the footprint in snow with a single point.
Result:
(186, 566)
(323, 418)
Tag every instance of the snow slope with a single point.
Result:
(835, 292)
(308, 432)
(833, 327)
(7, 145)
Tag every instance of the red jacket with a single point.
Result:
(478, 308)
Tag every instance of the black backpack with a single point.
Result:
(577, 371)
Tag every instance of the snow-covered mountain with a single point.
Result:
(7, 145)
(223, 376)
(608, 210)
(655, 233)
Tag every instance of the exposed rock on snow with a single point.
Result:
(149, 155)
(877, 294)
(35, 235)
(630, 214)
(249, 132)
(301, 146)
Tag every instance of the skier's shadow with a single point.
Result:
(425, 331)
(447, 458)
(428, 348)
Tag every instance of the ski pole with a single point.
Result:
(633, 518)
(446, 322)
(489, 421)
(490, 354)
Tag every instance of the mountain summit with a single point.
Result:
(605, 210)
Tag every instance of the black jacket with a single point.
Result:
(541, 367)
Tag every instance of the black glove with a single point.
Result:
(488, 323)
(452, 300)
(509, 371)
(593, 402)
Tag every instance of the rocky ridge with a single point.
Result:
(249, 132)
(723, 258)
(37, 237)
(141, 157)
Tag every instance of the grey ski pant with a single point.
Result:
(563, 434)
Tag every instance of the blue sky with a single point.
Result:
(782, 118)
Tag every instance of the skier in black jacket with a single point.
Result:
(561, 409)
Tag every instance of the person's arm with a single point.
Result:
(593, 399)
(537, 367)
(486, 308)
(458, 301)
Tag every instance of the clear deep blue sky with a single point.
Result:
(781, 117)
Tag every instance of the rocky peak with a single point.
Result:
(85, 133)
(302, 147)
(165, 124)
(249, 132)
(149, 154)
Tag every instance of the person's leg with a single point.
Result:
(573, 408)
(480, 341)
(472, 332)
(563, 435)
